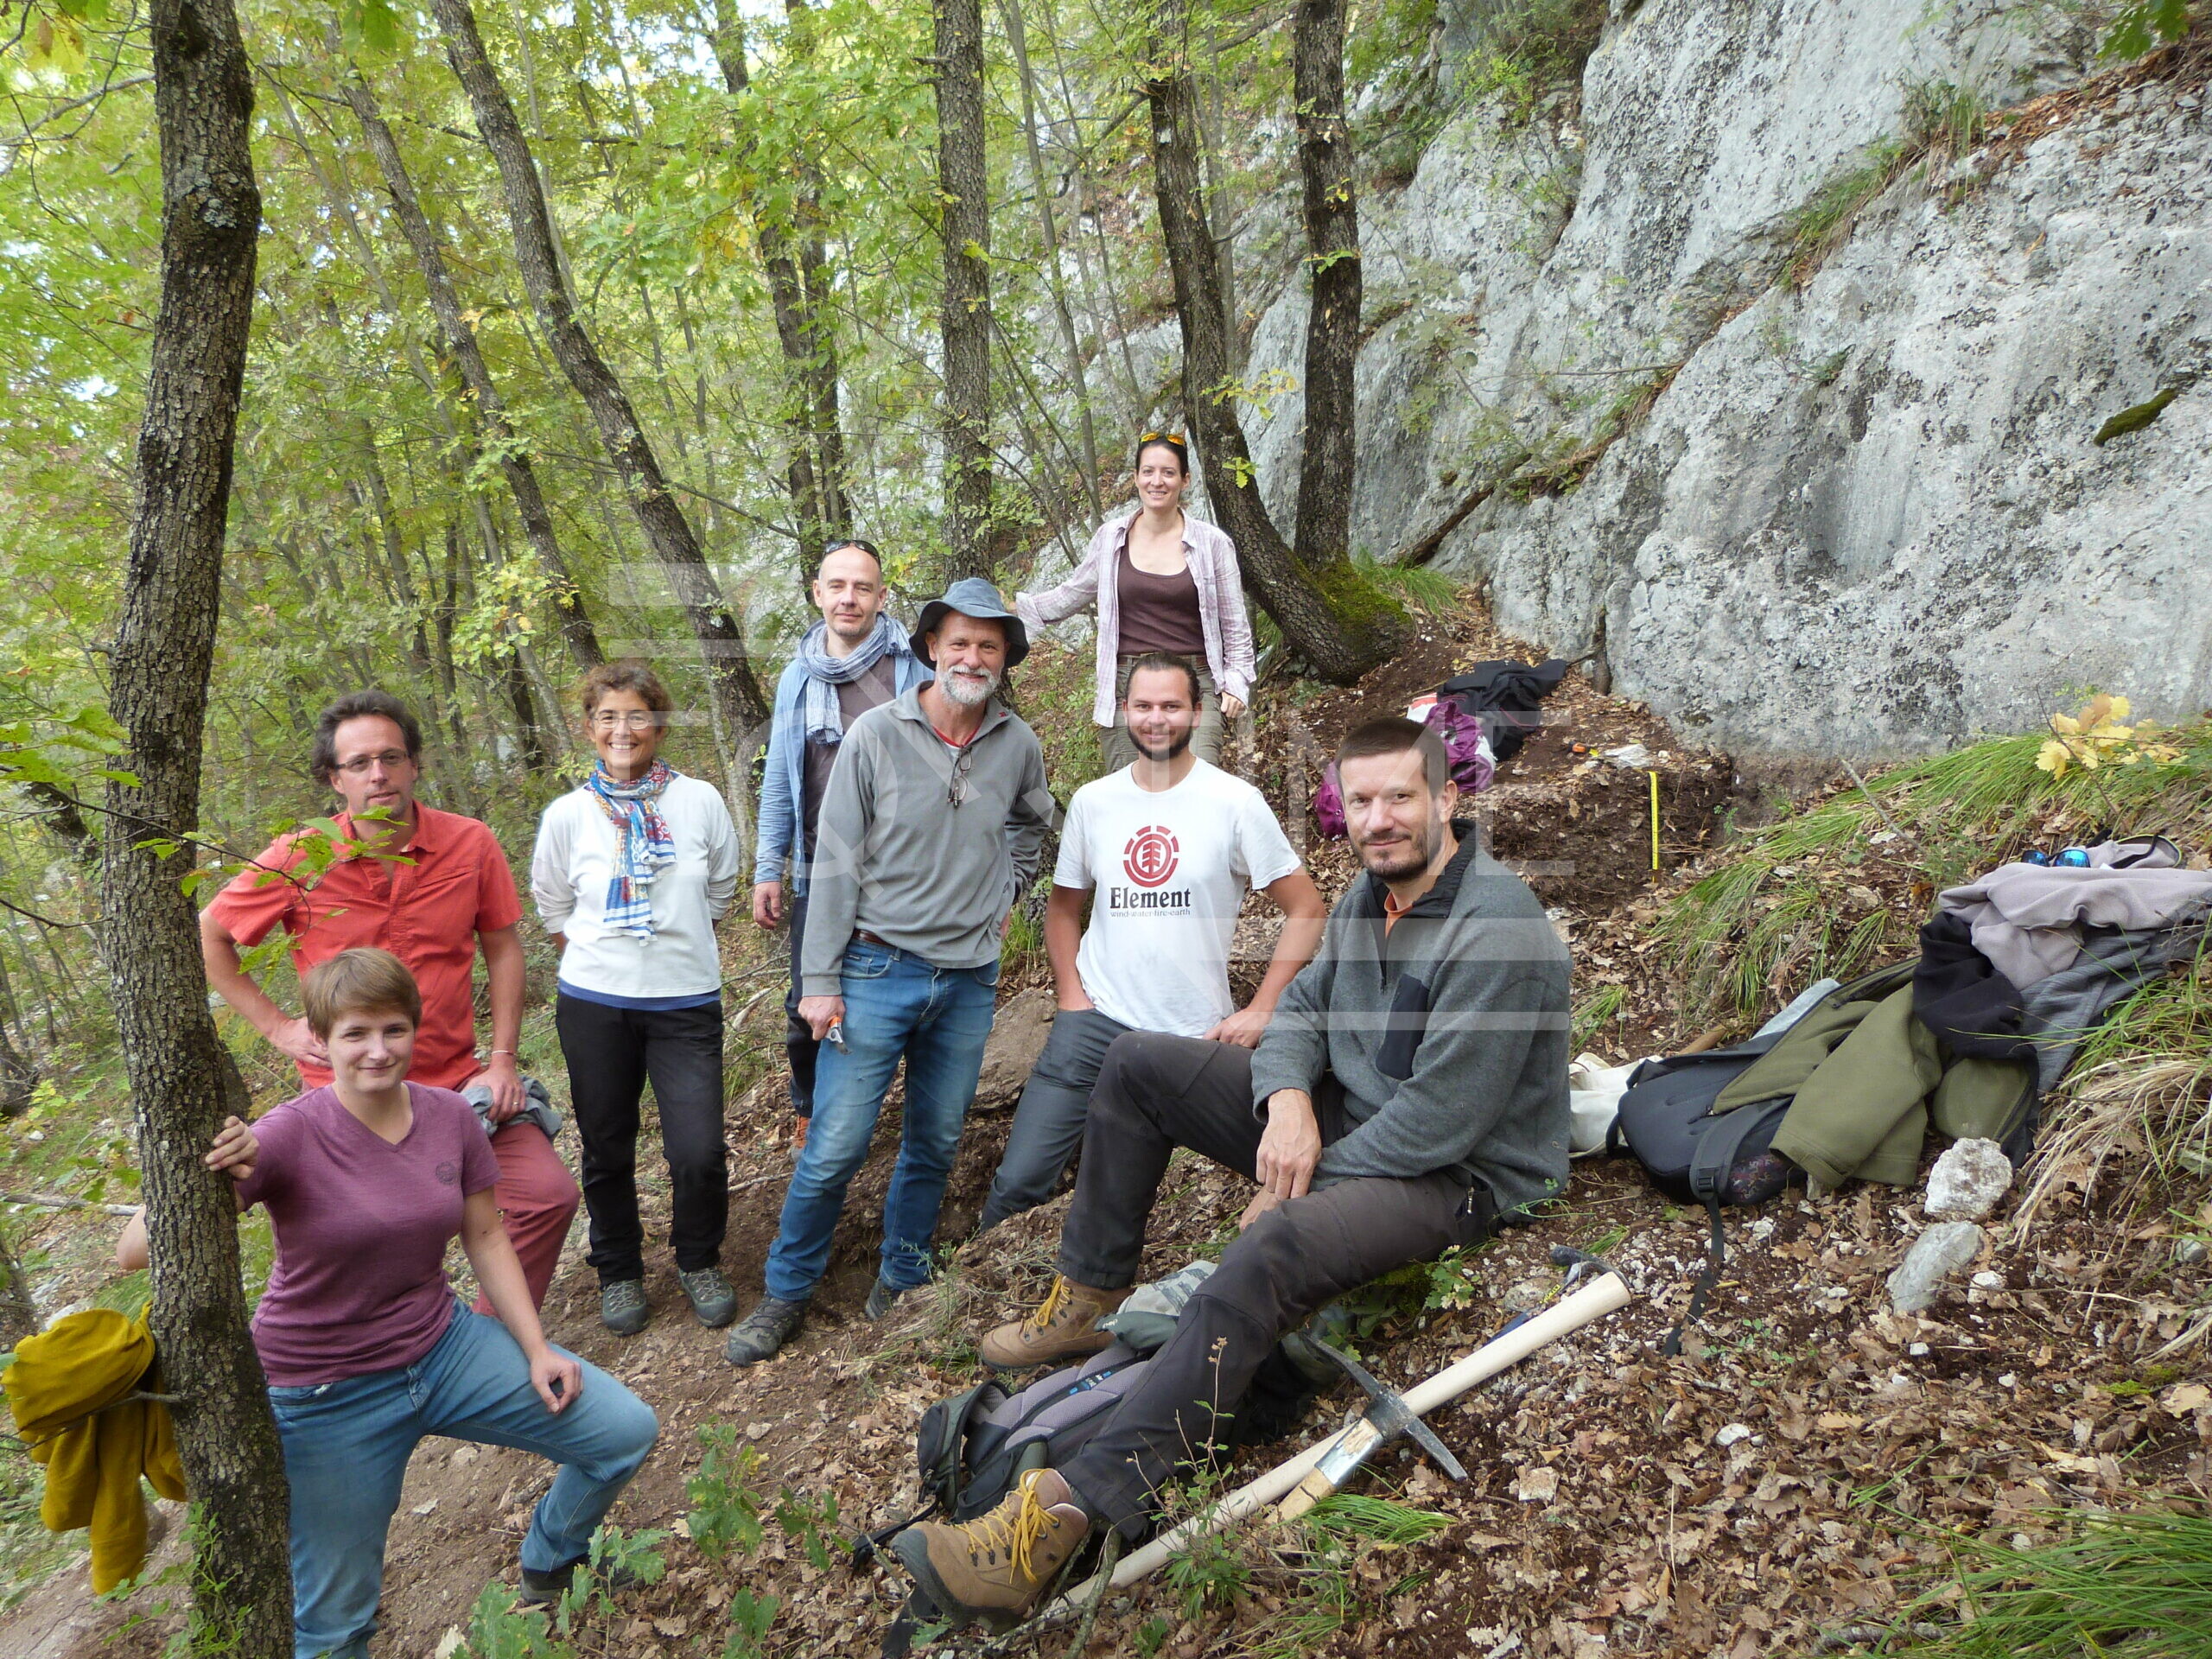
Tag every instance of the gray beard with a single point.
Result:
(966, 692)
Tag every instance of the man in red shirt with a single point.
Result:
(429, 886)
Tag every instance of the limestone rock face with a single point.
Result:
(1865, 516)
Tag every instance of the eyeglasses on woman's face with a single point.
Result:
(623, 720)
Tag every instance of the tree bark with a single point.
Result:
(164, 647)
(965, 321)
(1338, 624)
(799, 295)
(735, 705)
(576, 630)
(1328, 453)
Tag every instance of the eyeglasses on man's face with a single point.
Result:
(625, 720)
(359, 766)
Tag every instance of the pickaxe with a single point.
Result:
(1391, 1414)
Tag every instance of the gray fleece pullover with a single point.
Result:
(895, 857)
(1449, 1034)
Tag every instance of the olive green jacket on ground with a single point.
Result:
(1864, 1076)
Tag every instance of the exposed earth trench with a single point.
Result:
(1790, 1480)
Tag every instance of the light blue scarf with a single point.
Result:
(824, 720)
(634, 808)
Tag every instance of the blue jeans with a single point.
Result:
(347, 1446)
(896, 1004)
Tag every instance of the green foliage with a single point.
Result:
(2123, 1586)
(1355, 1517)
(750, 1617)
(1416, 587)
(1774, 913)
(1823, 221)
(1531, 46)
(1593, 1013)
(811, 1523)
(1942, 118)
(725, 1507)
(2142, 24)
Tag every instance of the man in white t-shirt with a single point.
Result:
(1164, 850)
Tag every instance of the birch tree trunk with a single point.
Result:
(164, 645)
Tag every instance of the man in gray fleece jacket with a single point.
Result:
(1410, 1092)
(934, 822)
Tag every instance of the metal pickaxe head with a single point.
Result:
(1579, 1262)
(1390, 1417)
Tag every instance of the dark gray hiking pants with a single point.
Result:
(1048, 1124)
(1155, 1094)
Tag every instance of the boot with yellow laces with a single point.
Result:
(996, 1568)
(1065, 1327)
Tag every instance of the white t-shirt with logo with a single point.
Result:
(1169, 871)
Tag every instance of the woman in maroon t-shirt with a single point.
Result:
(367, 1181)
(1161, 580)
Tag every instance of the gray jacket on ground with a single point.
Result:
(1449, 1034)
(895, 857)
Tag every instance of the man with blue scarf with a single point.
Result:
(851, 660)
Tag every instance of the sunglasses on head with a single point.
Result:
(1175, 438)
(867, 548)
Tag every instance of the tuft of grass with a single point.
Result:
(1415, 587)
(1355, 1518)
(1944, 119)
(2126, 1586)
(1775, 913)
(1594, 1013)
(1819, 227)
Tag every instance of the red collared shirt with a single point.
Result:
(428, 913)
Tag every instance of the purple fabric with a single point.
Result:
(1471, 765)
(362, 1226)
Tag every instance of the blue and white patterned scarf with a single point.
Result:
(824, 718)
(633, 808)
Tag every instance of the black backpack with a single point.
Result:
(1667, 1123)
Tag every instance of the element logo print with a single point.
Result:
(1150, 856)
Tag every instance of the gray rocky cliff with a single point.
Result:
(1865, 515)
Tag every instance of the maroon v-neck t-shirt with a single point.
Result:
(362, 1226)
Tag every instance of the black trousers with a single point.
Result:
(612, 1054)
(800, 1045)
(1155, 1094)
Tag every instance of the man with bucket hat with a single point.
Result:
(934, 822)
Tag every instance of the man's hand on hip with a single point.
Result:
(297, 1039)
(1291, 1146)
(505, 1081)
(821, 1013)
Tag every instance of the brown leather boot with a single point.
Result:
(1065, 1327)
(997, 1567)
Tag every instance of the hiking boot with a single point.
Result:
(711, 1298)
(761, 1332)
(882, 1297)
(1064, 1327)
(543, 1589)
(997, 1567)
(622, 1306)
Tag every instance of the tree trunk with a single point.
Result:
(576, 630)
(965, 322)
(1336, 623)
(1328, 455)
(164, 645)
(735, 702)
(800, 298)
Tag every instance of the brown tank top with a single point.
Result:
(1158, 612)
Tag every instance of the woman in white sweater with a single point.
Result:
(631, 872)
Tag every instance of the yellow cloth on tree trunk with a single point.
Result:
(68, 1389)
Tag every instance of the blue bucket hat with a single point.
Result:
(970, 596)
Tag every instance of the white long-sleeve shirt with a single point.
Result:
(575, 862)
